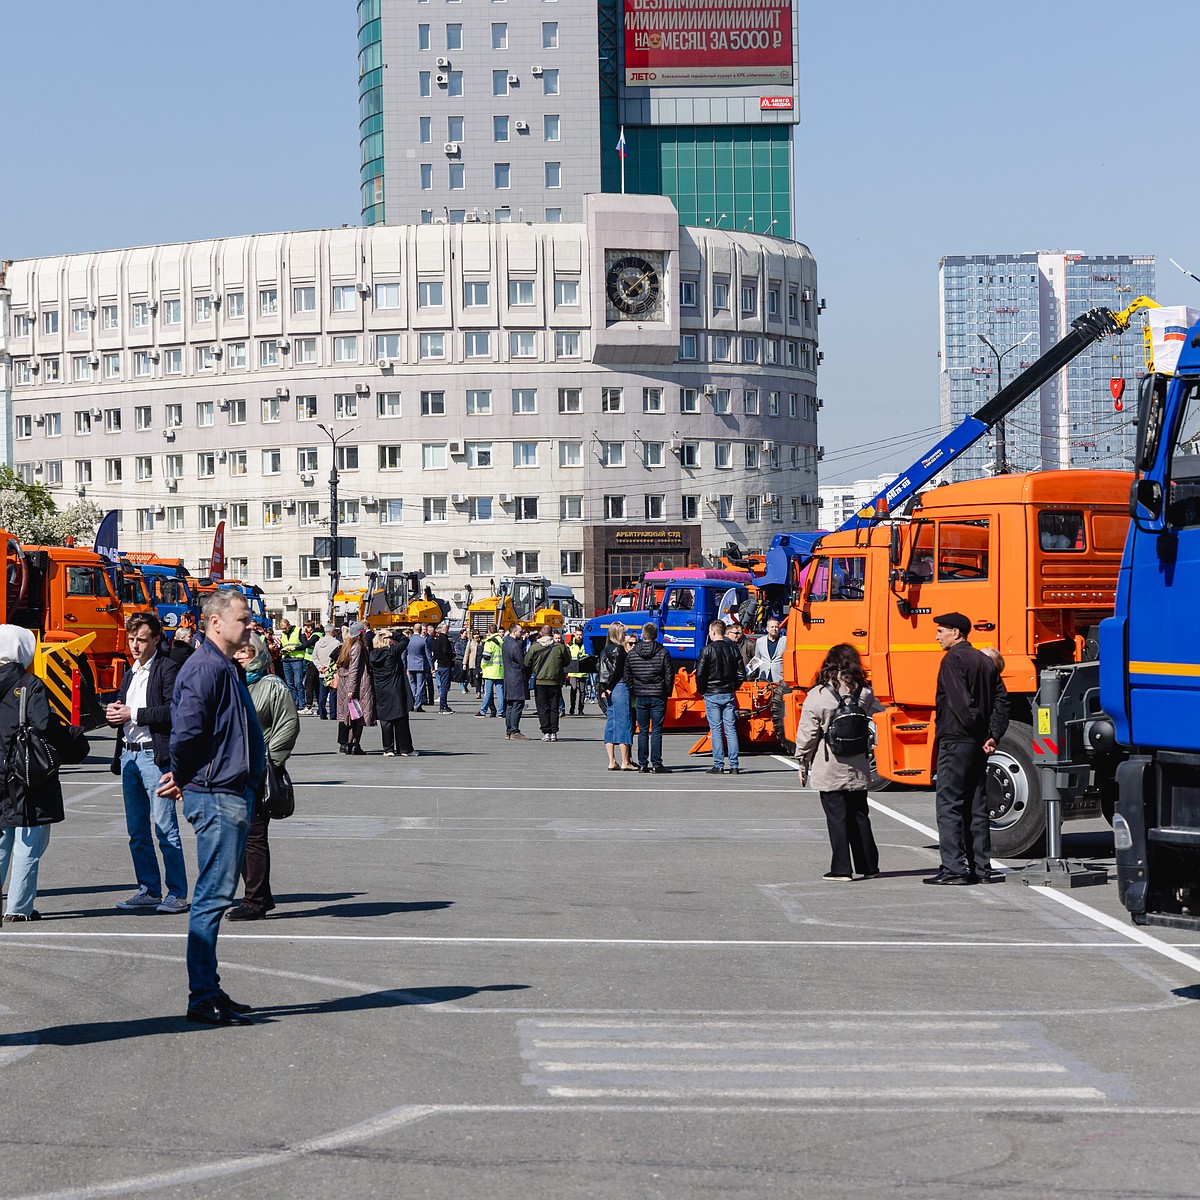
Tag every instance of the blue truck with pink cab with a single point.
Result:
(1150, 656)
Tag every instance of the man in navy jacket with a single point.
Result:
(218, 760)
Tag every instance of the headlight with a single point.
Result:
(1122, 836)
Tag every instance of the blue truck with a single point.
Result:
(1150, 656)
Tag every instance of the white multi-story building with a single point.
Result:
(582, 399)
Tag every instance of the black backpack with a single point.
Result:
(848, 733)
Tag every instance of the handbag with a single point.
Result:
(354, 710)
(279, 795)
(32, 760)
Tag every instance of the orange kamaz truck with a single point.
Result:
(1031, 559)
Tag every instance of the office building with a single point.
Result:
(486, 110)
(1023, 304)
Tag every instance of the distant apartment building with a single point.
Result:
(840, 501)
(1022, 304)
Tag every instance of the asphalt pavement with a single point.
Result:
(501, 970)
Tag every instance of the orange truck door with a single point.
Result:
(953, 567)
(834, 609)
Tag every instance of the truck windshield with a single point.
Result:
(1183, 497)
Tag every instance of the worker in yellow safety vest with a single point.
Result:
(491, 658)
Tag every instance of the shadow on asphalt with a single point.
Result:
(363, 908)
(92, 1032)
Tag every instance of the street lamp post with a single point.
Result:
(1001, 440)
(334, 577)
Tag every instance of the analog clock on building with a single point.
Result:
(633, 282)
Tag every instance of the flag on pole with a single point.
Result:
(621, 144)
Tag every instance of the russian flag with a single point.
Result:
(621, 151)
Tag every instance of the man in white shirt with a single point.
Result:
(768, 653)
(142, 715)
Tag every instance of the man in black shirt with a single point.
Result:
(972, 715)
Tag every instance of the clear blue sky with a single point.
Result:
(931, 128)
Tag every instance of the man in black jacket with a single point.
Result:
(142, 717)
(720, 671)
(972, 715)
(443, 663)
(516, 682)
(650, 675)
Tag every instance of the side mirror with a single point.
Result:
(1146, 500)
(894, 547)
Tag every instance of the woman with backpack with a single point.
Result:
(832, 744)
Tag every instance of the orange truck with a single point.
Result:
(1031, 559)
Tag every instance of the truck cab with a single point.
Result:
(171, 590)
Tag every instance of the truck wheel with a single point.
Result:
(1014, 795)
(787, 746)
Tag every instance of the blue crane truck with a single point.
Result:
(1150, 657)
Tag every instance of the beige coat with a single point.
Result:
(825, 771)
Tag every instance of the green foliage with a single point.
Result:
(28, 512)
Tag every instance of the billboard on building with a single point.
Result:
(708, 42)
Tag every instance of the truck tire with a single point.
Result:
(1014, 795)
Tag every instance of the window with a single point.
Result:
(433, 510)
(721, 401)
(432, 345)
(549, 35)
(525, 454)
(524, 401)
(433, 456)
(481, 562)
(272, 462)
(454, 86)
(570, 562)
(143, 365)
(430, 294)
(749, 349)
(237, 463)
(425, 127)
(50, 369)
(566, 343)
(308, 512)
(24, 426)
(690, 510)
(525, 508)
(113, 470)
(347, 458)
(566, 293)
(387, 405)
(108, 317)
(1061, 531)
(83, 470)
(348, 512)
(306, 459)
(656, 507)
(570, 508)
(720, 294)
(173, 362)
(753, 456)
(112, 420)
(652, 454)
(272, 566)
(612, 400)
(550, 82)
(454, 37)
(175, 522)
(772, 404)
(501, 175)
(309, 567)
(687, 293)
(235, 305)
(140, 313)
(53, 425)
(522, 343)
(750, 402)
(268, 302)
(500, 83)
(689, 455)
(437, 563)
(614, 508)
(525, 562)
(391, 512)
(725, 508)
(476, 293)
(143, 417)
(553, 216)
(425, 83)
(962, 551)
(793, 307)
(237, 412)
(723, 459)
(719, 347)
(652, 400)
(479, 508)
(771, 351)
(479, 403)
(793, 404)
(520, 292)
(457, 177)
(272, 514)
(306, 408)
(387, 295)
(840, 578)
(345, 348)
(433, 404)
(237, 356)
(753, 509)
(479, 454)
(689, 400)
(387, 345)
(268, 352)
(112, 366)
(83, 421)
(345, 297)
(553, 175)
(499, 129)
(612, 454)
(477, 344)
(570, 454)
(499, 35)
(749, 298)
(172, 313)
(423, 42)
(81, 369)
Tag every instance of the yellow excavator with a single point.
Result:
(523, 598)
(390, 598)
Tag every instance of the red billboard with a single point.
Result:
(707, 42)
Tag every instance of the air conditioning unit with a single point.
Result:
(768, 497)
(155, 356)
(159, 511)
(291, 602)
(223, 405)
(709, 390)
(535, 70)
(457, 449)
(284, 345)
(93, 360)
(820, 357)
(522, 126)
(172, 485)
(368, 501)
(820, 404)
(506, 498)
(363, 289)
(383, 364)
(766, 445)
(80, 490)
(217, 352)
(506, 552)
(289, 506)
(676, 444)
(441, 79)
(169, 435)
(514, 79)
(97, 412)
(451, 147)
(40, 419)
(38, 468)
(820, 453)
(807, 294)
(711, 498)
(443, 62)
(223, 506)
(459, 498)
(473, 215)
(368, 555)
(222, 455)
(281, 393)
(215, 300)
(306, 477)
(458, 552)
(35, 366)
(362, 389)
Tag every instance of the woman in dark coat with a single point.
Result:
(354, 684)
(393, 695)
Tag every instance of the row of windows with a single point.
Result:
(478, 402)
(503, 127)
(499, 40)
(456, 176)
(436, 456)
(453, 83)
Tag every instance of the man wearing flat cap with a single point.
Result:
(971, 715)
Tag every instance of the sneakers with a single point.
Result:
(516, 737)
(17, 918)
(554, 737)
(546, 737)
(140, 899)
(830, 877)
(481, 714)
(389, 754)
(173, 904)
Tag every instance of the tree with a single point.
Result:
(28, 512)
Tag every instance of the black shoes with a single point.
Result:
(218, 1012)
(644, 770)
(660, 770)
(242, 913)
(227, 1001)
(949, 879)
(714, 771)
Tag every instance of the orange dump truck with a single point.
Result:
(1031, 559)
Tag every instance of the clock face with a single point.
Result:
(633, 284)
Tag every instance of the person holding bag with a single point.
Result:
(281, 727)
(355, 693)
(832, 744)
(34, 740)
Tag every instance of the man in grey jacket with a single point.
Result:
(516, 681)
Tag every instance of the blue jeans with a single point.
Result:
(512, 714)
(326, 702)
(721, 710)
(417, 680)
(618, 721)
(651, 713)
(443, 678)
(493, 694)
(139, 779)
(293, 676)
(221, 821)
(24, 846)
